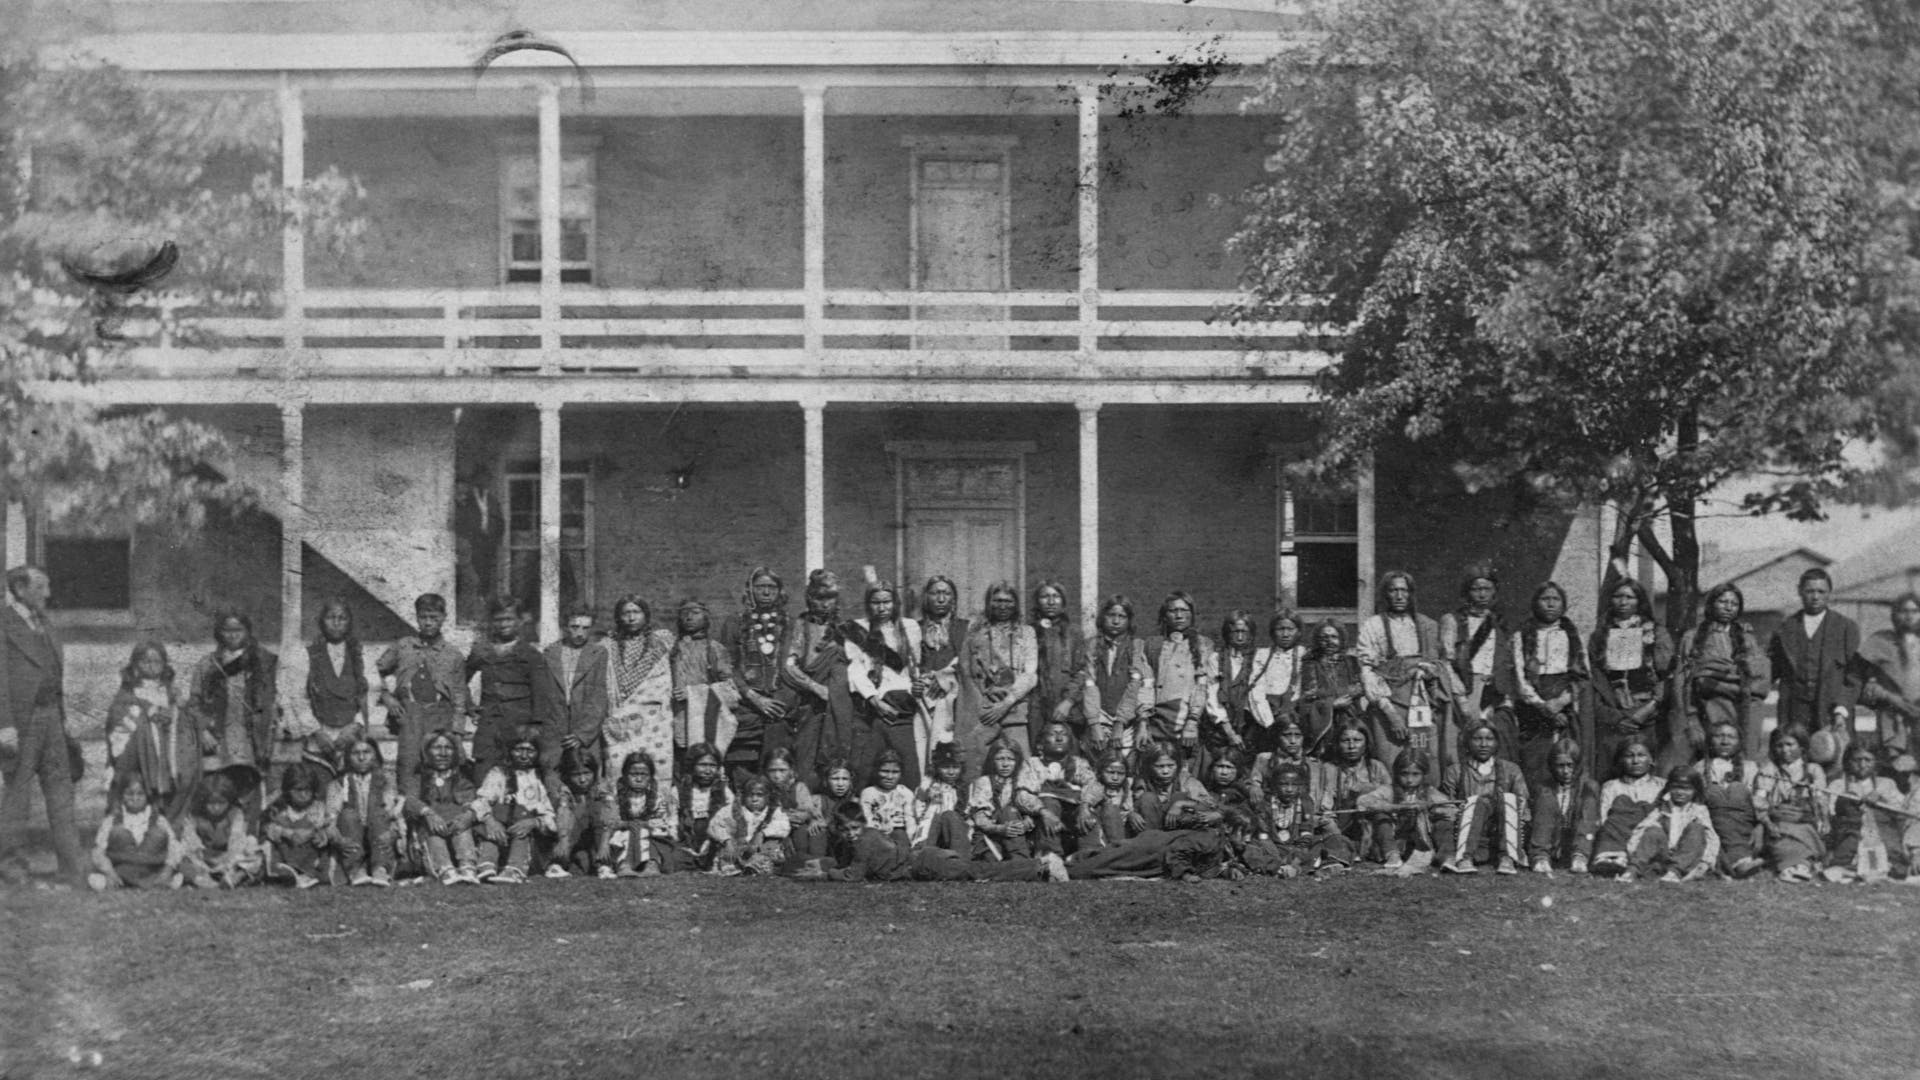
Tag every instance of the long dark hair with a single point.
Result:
(685, 783)
(623, 789)
(1181, 596)
(130, 675)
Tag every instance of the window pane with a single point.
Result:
(90, 574)
(1329, 574)
(573, 241)
(524, 246)
(1326, 517)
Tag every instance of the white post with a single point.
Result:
(293, 525)
(815, 468)
(1090, 515)
(549, 227)
(549, 520)
(1287, 559)
(814, 218)
(1089, 188)
(1363, 499)
(293, 237)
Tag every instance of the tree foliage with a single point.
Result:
(1618, 250)
(94, 159)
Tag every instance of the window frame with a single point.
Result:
(568, 471)
(576, 148)
(1288, 538)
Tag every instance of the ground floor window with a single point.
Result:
(89, 573)
(1323, 545)
(522, 554)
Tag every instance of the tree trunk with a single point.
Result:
(1683, 577)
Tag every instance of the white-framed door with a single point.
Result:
(962, 512)
(960, 226)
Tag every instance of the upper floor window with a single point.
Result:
(520, 216)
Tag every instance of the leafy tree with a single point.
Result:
(98, 169)
(1618, 251)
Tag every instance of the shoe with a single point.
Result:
(1393, 864)
(648, 869)
(382, 878)
(97, 882)
(1542, 866)
(1054, 866)
(449, 876)
(605, 873)
(1462, 866)
(1671, 877)
(512, 875)
(1839, 875)
(1579, 864)
(359, 878)
(1625, 876)
(1417, 863)
(1747, 867)
(304, 881)
(628, 871)
(556, 871)
(469, 876)
(483, 874)
(1506, 866)
(176, 881)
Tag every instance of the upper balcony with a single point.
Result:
(999, 221)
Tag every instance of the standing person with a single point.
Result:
(33, 730)
(639, 689)
(822, 719)
(1273, 695)
(1631, 657)
(703, 695)
(1060, 663)
(1472, 638)
(1238, 668)
(508, 668)
(1180, 665)
(942, 636)
(1402, 671)
(337, 687)
(234, 705)
(883, 659)
(1889, 666)
(162, 745)
(1811, 654)
(756, 643)
(425, 684)
(1002, 662)
(1722, 672)
(1550, 683)
(575, 697)
(1330, 689)
(1116, 675)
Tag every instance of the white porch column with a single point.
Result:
(549, 227)
(293, 236)
(549, 521)
(1089, 188)
(813, 140)
(1090, 515)
(816, 485)
(293, 525)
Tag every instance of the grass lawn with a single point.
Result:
(693, 976)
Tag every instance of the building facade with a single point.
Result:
(909, 287)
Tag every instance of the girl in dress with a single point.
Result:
(167, 751)
(751, 834)
(1003, 814)
(639, 687)
(938, 807)
(301, 846)
(641, 828)
(1723, 670)
(1631, 656)
(216, 850)
(700, 795)
(135, 847)
(1866, 814)
(797, 802)
(1789, 791)
(1625, 801)
(1108, 803)
(232, 704)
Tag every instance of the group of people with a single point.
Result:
(890, 746)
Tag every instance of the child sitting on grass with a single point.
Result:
(751, 835)
(216, 849)
(439, 812)
(1295, 825)
(1788, 790)
(1566, 813)
(301, 845)
(1865, 842)
(1058, 777)
(793, 797)
(1159, 783)
(937, 817)
(515, 809)
(1729, 799)
(1413, 819)
(581, 812)
(1625, 801)
(1107, 803)
(1492, 793)
(1676, 840)
(135, 847)
(887, 804)
(1003, 814)
(702, 794)
(1351, 771)
(640, 830)
(357, 809)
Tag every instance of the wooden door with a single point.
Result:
(974, 547)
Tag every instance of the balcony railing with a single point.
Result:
(730, 333)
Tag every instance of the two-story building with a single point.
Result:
(917, 286)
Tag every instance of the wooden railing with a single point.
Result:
(400, 331)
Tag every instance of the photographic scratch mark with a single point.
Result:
(527, 41)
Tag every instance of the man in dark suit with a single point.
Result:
(575, 701)
(1811, 652)
(33, 730)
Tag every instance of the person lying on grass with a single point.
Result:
(1200, 843)
(875, 855)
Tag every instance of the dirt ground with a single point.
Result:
(695, 976)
